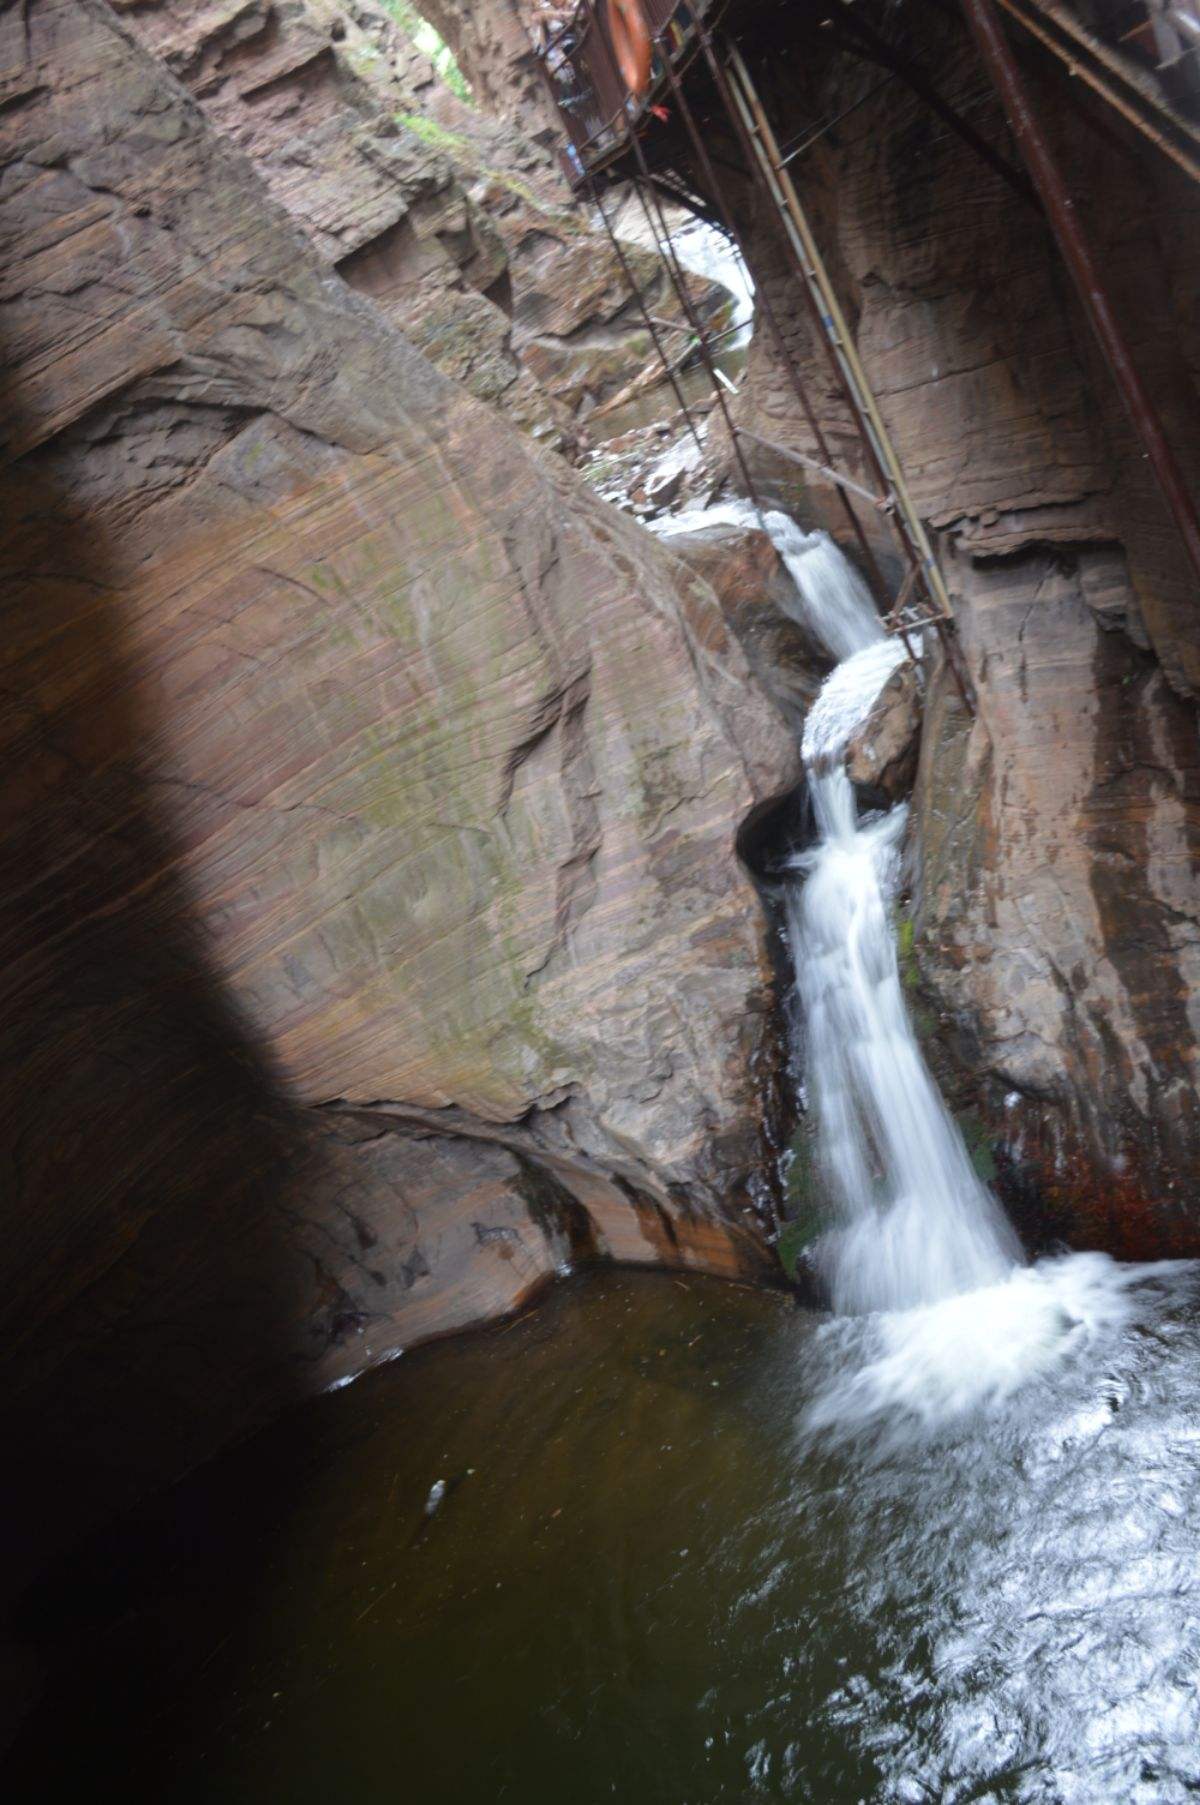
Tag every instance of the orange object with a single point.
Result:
(631, 43)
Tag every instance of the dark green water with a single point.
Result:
(639, 1584)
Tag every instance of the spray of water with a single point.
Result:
(833, 601)
(950, 1315)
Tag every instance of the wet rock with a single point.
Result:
(882, 755)
(1058, 925)
(758, 599)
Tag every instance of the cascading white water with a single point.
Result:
(836, 603)
(915, 1224)
(918, 1242)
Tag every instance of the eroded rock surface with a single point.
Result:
(882, 755)
(316, 104)
(1057, 907)
(494, 47)
(457, 225)
(1059, 915)
(759, 601)
(372, 799)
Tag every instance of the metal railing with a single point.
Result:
(603, 120)
(580, 64)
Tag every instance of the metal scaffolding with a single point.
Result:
(595, 129)
(605, 127)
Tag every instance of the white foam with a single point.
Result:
(916, 1369)
(834, 602)
(846, 699)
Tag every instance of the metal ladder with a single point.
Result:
(912, 610)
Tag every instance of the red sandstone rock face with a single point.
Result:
(493, 45)
(1058, 917)
(458, 226)
(1057, 906)
(758, 599)
(329, 121)
(373, 793)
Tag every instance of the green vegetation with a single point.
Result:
(904, 951)
(435, 48)
(923, 1020)
(978, 1144)
(431, 133)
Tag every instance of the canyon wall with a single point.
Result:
(1055, 924)
(493, 45)
(457, 225)
(1056, 836)
(374, 943)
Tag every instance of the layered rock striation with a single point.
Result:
(374, 943)
(458, 226)
(1057, 834)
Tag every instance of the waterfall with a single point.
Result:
(835, 603)
(917, 1243)
(914, 1222)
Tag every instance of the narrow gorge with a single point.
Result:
(600, 896)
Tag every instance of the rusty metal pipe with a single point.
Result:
(763, 300)
(1104, 74)
(998, 58)
(666, 250)
(651, 326)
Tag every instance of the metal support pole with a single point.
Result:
(1064, 222)
(666, 250)
(1132, 92)
(834, 476)
(644, 188)
(748, 151)
(914, 553)
(830, 325)
(763, 300)
(645, 312)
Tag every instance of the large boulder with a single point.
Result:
(882, 753)
(372, 804)
(759, 600)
